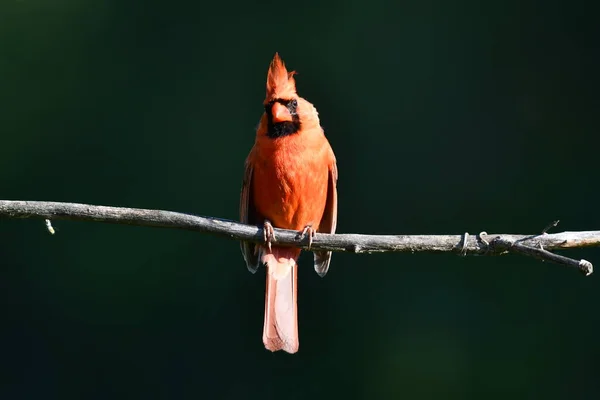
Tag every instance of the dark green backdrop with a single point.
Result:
(445, 117)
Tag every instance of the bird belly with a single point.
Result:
(291, 194)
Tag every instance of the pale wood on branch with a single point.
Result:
(537, 245)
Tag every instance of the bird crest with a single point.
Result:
(280, 83)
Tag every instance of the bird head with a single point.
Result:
(281, 101)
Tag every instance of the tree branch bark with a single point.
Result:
(537, 245)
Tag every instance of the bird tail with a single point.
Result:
(280, 331)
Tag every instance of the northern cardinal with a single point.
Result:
(290, 183)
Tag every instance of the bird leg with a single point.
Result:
(311, 233)
(269, 233)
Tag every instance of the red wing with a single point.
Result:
(328, 221)
(248, 216)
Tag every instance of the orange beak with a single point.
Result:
(280, 113)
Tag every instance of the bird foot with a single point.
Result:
(269, 233)
(311, 234)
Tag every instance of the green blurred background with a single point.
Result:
(445, 117)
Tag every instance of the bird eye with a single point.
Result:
(294, 103)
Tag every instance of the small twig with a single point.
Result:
(481, 235)
(530, 245)
(552, 224)
(49, 227)
(506, 245)
(465, 239)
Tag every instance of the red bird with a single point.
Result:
(290, 183)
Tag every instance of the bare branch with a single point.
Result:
(494, 244)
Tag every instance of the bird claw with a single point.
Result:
(311, 234)
(269, 234)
